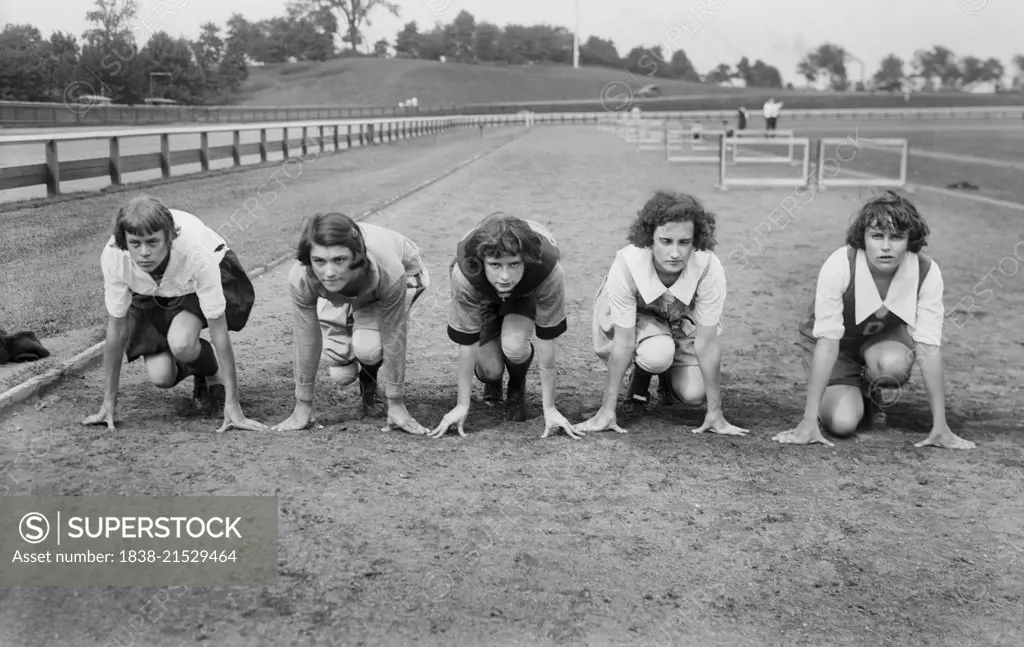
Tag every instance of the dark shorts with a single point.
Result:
(492, 315)
(772, 121)
(849, 366)
(150, 317)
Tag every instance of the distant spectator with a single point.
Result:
(772, 109)
(741, 118)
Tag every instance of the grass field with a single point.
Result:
(657, 537)
(372, 81)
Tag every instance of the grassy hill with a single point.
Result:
(386, 82)
(377, 81)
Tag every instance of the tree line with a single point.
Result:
(935, 65)
(112, 60)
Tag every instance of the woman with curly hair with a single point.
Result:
(506, 283)
(660, 309)
(877, 308)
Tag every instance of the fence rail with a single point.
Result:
(343, 134)
(827, 105)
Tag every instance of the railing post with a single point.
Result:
(52, 169)
(263, 144)
(115, 161)
(165, 155)
(336, 142)
(305, 139)
(204, 151)
(348, 136)
(361, 140)
(236, 148)
(284, 142)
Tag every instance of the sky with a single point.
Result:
(779, 32)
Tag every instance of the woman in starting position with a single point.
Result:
(877, 307)
(167, 276)
(660, 310)
(506, 282)
(352, 286)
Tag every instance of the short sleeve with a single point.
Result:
(709, 301)
(116, 294)
(464, 321)
(930, 309)
(209, 289)
(620, 293)
(550, 295)
(833, 280)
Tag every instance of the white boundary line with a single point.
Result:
(34, 385)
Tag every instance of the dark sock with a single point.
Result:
(640, 385)
(368, 374)
(517, 372)
(206, 363)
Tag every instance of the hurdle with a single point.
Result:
(725, 182)
(651, 135)
(862, 179)
(745, 135)
(679, 141)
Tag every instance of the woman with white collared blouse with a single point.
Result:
(878, 308)
(659, 312)
(167, 276)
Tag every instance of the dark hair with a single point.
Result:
(893, 213)
(143, 216)
(332, 230)
(670, 206)
(503, 235)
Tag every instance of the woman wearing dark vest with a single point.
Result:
(877, 308)
(505, 281)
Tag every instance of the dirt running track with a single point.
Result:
(657, 537)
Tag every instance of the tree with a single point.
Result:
(680, 67)
(890, 73)
(407, 41)
(486, 42)
(232, 71)
(208, 50)
(356, 14)
(113, 19)
(23, 64)
(829, 59)
(380, 48)
(939, 62)
(62, 53)
(1018, 78)
(973, 69)
(993, 70)
(720, 74)
(173, 56)
(463, 31)
(431, 45)
(758, 75)
(597, 51)
(108, 62)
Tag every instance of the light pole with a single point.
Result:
(576, 39)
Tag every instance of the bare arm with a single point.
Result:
(709, 360)
(222, 344)
(826, 351)
(113, 353)
(621, 356)
(548, 375)
(467, 362)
